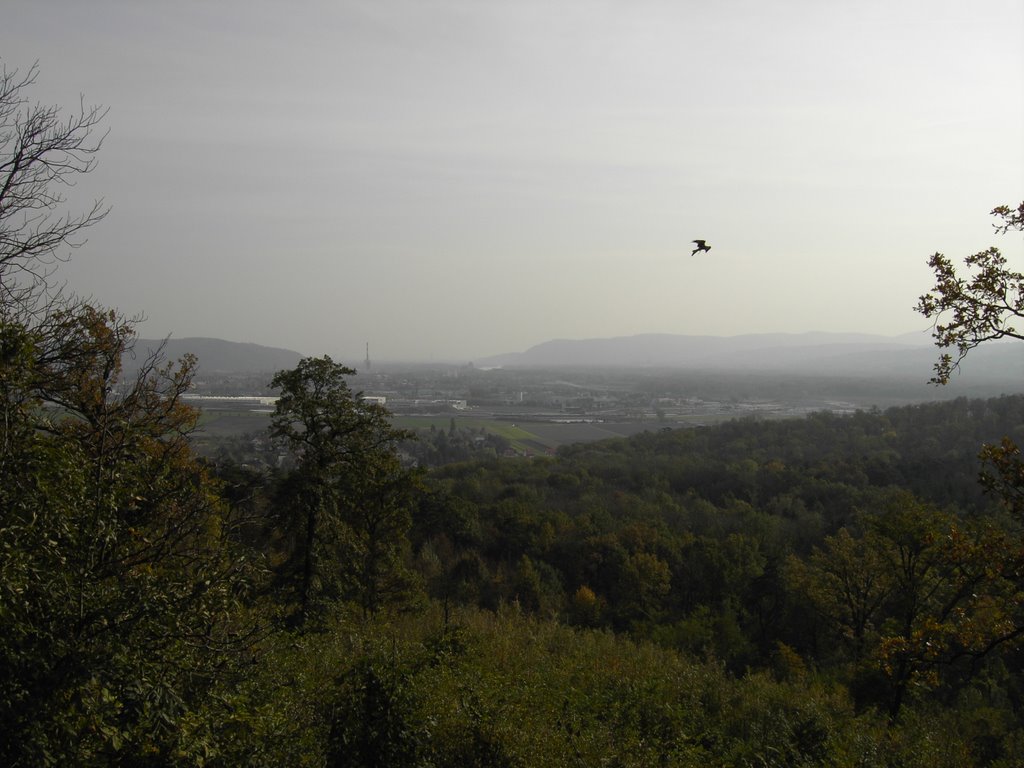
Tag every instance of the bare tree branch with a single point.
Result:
(41, 152)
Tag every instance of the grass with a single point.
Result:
(521, 438)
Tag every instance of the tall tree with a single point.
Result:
(847, 583)
(348, 500)
(120, 578)
(985, 303)
(922, 594)
(956, 594)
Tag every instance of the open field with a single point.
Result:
(532, 435)
(525, 436)
(231, 423)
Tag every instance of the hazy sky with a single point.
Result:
(453, 179)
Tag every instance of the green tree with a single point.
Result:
(349, 498)
(847, 584)
(983, 302)
(986, 303)
(919, 596)
(121, 582)
(954, 594)
(646, 584)
(375, 721)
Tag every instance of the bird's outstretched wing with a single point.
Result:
(701, 246)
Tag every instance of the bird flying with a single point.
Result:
(701, 246)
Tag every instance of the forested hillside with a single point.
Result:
(847, 580)
(674, 535)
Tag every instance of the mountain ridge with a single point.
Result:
(910, 355)
(216, 355)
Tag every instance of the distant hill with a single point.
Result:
(908, 356)
(218, 355)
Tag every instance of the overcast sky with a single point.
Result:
(448, 180)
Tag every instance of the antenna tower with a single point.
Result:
(367, 357)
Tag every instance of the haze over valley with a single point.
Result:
(450, 180)
(564, 392)
(908, 359)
